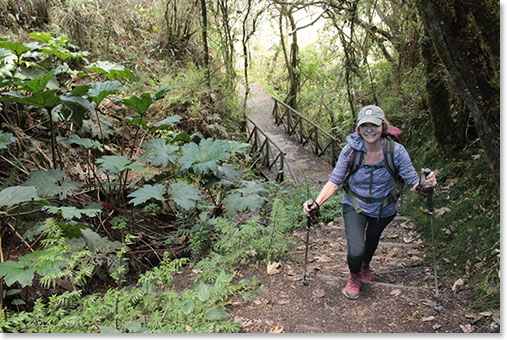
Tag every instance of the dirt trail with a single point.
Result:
(399, 299)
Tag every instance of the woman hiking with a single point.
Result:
(369, 169)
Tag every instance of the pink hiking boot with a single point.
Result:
(366, 274)
(353, 286)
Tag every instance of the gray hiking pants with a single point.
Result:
(363, 235)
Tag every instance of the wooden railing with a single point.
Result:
(269, 154)
(306, 131)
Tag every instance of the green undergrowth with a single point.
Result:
(466, 230)
(107, 168)
(148, 307)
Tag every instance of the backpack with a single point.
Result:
(355, 162)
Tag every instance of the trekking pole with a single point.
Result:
(429, 201)
(309, 220)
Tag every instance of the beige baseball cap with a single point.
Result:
(370, 114)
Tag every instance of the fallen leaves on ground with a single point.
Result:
(458, 283)
(273, 268)
(467, 328)
(442, 211)
(319, 293)
(395, 292)
(323, 259)
(428, 318)
(276, 329)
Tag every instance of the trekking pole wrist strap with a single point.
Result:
(421, 191)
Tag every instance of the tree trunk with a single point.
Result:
(226, 42)
(438, 97)
(205, 40)
(469, 57)
(291, 60)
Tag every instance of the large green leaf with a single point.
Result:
(99, 91)
(6, 138)
(11, 196)
(41, 36)
(215, 313)
(50, 183)
(138, 104)
(13, 272)
(185, 195)
(38, 84)
(111, 70)
(15, 47)
(78, 106)
(249, 197)
(159, 153)
(161, 92)
(96, 242)
(86, 143)
(203, 158)
(168, 122)
(70, 213)
(116, 164)
(188, 307)
(108, 330)
(202, 291)
(226, 175)
(146, 193)
(45, 99)
(81, 90)
(92, 127)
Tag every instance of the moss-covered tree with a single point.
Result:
(469, 49)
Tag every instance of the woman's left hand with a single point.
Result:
(429, 181)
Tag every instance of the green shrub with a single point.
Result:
(154, 308)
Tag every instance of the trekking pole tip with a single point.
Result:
(304, 281)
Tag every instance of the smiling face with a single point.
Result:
(370, 132)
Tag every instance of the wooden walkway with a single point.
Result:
(300, 159)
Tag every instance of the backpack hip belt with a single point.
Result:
(352, 196)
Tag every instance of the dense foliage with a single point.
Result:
(123, 161)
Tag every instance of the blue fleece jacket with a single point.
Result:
(373, 182)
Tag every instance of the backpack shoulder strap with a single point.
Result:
(389, 157)
(354, 162)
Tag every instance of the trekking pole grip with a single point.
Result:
(312, 214)
(429, 191)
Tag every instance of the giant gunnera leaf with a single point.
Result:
(12, 196)
(6, 138)
(13, 272)
(185, 195)
(115, 164)
(159, 153)
(146, 193)
(51, 183)
(250, 196)
(203, 158)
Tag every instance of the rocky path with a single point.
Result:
(399, 300)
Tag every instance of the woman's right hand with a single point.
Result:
(307, 209)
